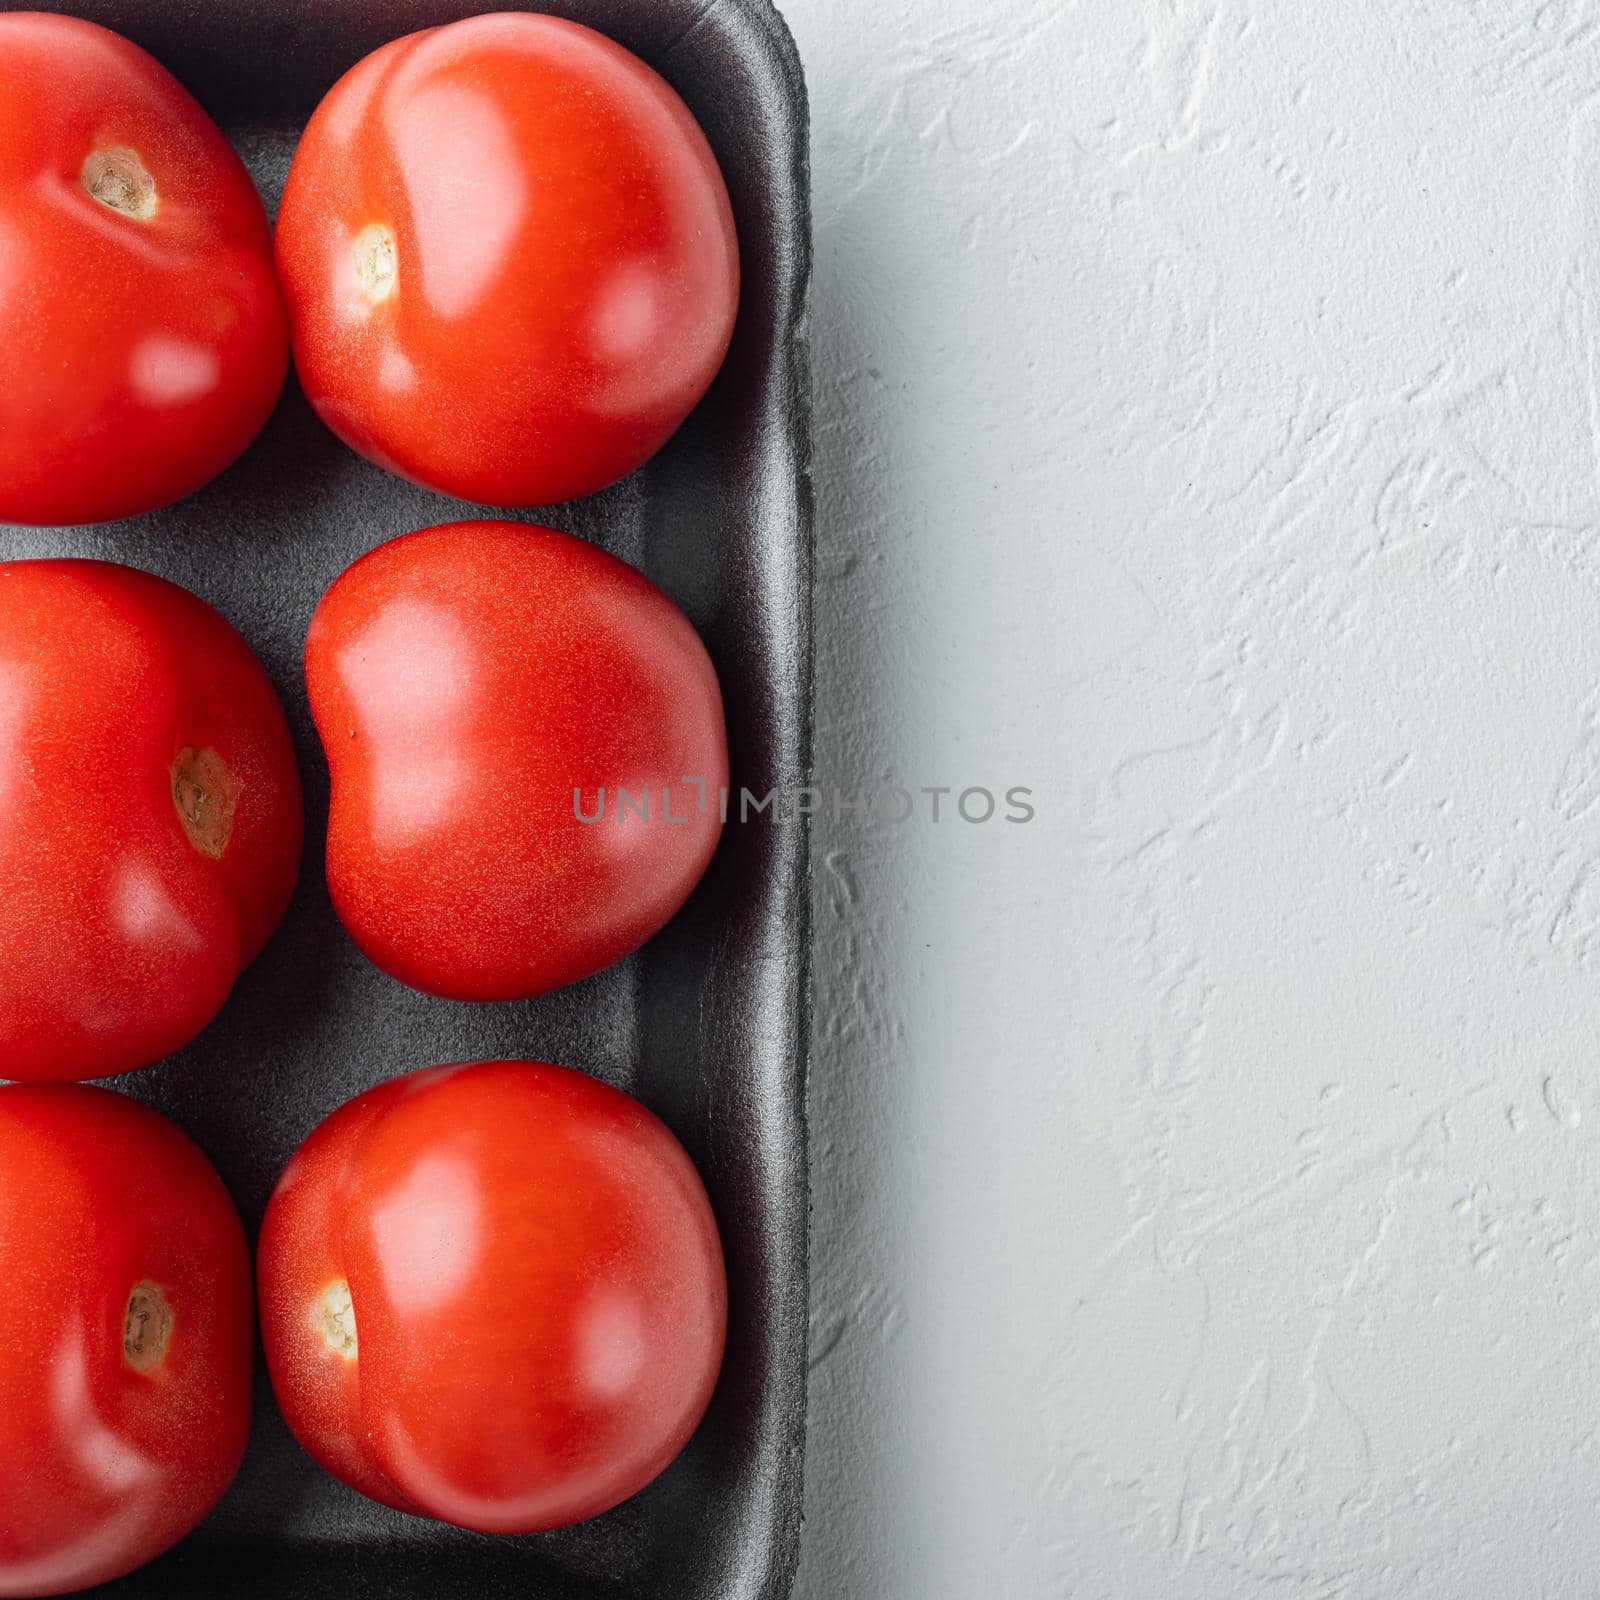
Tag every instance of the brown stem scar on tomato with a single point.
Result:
(376, 268)
(118, 180)
(206, 794)
(146, 1328)
(336, 1318)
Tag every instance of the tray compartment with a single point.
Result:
(707, 1024)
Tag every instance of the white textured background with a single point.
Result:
(1207, 1173)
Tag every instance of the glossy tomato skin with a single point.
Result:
(493, 1294)
(150, 817)
(465, 680)
(144, 335)
(509, 258)
(127, 1329)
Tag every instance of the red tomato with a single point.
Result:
(127, 1331)
(143, 334)
(465, 681)
(509, 259)
(494, 1295)
(150, 817)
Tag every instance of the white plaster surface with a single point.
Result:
(1207, 1172)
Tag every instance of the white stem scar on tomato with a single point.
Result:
(118, 180)
(376, 267)
(336, 1319)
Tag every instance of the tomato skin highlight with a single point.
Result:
(108, 1465)
(150, 817)
(465, 680)
(536, 1288)
(143, 353)
(509, 258)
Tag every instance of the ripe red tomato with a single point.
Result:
(150, 817)
(465, 681)
(493, 1295)
(509, 258)
(127, 1331)
(143, 333)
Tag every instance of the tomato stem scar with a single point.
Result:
(336, 1317)
(206, 794)
(118, 180)
(376, 268)
(146, 1328)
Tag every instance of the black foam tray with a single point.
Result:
(707, 1024)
